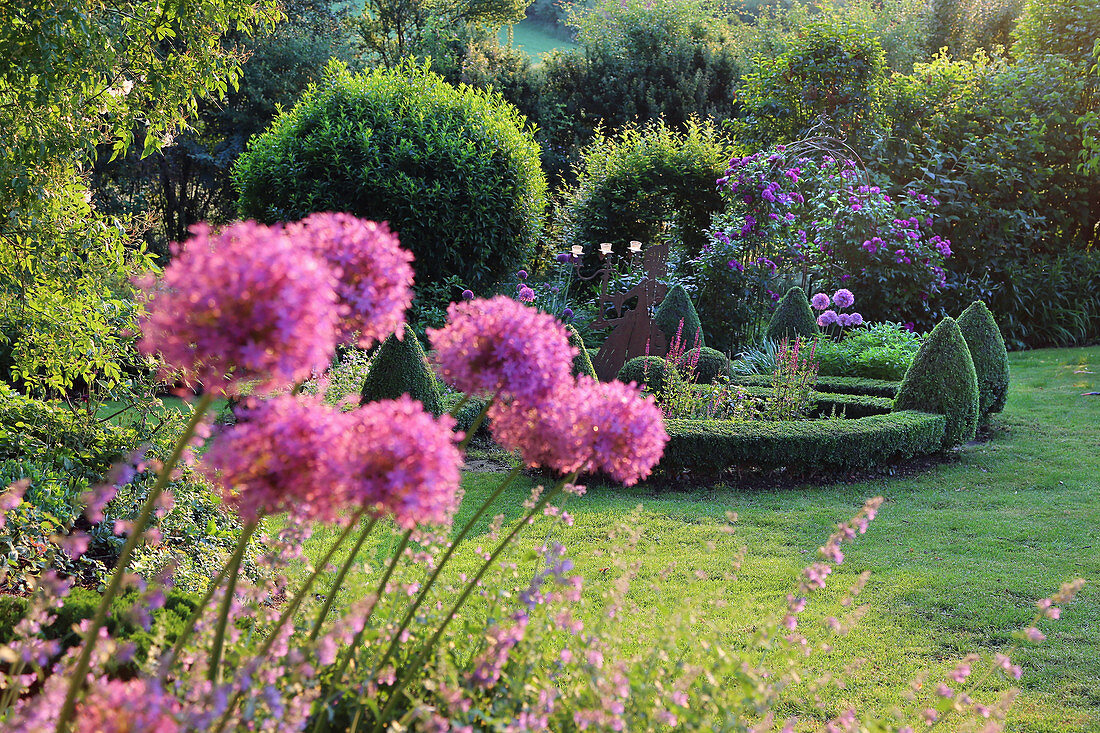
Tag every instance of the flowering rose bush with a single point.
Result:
(824, 221)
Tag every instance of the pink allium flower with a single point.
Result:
(628, 431)
(827, 318)
(244, 304)
(855, 319)
(404, 461)
(549, 434)
(136, 706)
(843, 298)
(375, 273)
(820, 301)
(279, 457)
(526, 295)
(843, 319)
(499, 345)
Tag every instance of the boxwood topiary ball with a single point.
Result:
(645, 370)
(793, 317)
(942, 380)
(401, 367)
(987, 349)
(709, 364)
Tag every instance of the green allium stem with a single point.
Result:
(336, 584)
(213, 672)
(80, 672)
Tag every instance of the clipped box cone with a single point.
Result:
(401, 367)
(793, 317)
(987, 349)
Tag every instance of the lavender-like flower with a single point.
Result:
(114, 706)
(374, 273)
(500, 345)
(245, 304)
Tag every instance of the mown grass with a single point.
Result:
(959, 553)
(534, 39)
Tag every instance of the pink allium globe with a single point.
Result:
(375, 274)
(498, 345)
(241, 305)
(820, 301)
(134, 706)
(843, 320)
(827, 318)
(551, 434)
(628, 433)
(284, 455)
(403, 461)
(843, 298)
(855, 319)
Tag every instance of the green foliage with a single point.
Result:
(630, 185)
(1049, 300)
(710, 364)
(966, 26)
(1068, 28)
(76, 76)
(942, 380)
(582, 362)
(793, 318)
(465, 418)
(833, 385)
(676, 316)
(987, 349)
(714, 446)
(645, 371)
(451, 169)
(401, 367)
(821, 404)
(832, 69)
(877, 351)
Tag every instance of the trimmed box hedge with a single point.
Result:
(837, 385)
(712, 446)
(827, 403)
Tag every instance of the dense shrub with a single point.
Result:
(793, 317)
(942, 380)
(838, 385)
(879, 351)
(823, 404)
(1068, 28)
(582, 362)
(401, 367)
(452, 169)
(987, 349)
(1048, 300)
(676, 309)
(631, 184)
(710, 364)
(713, 446)
(648, 371)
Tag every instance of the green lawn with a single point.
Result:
(958, 555)
(534, 39)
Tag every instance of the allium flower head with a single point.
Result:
(135, 706)
(820, 301)
(375, 274)
(526, 294)
(403, 461)
(843, 298)
(855, 319)
(827, 318)
(498, 344)
(627, 429)
(550, 434)
(279, 457)
(241, 305)
(467, 294)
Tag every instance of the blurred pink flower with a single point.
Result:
(374, 273)
(628, 433)
(241, 305)
(135, 706)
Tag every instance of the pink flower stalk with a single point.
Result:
(820, 301)
(498, 345)
(245, 304)
(843, 298)
(404, 461)
(280, 458)
(375, 274)
(136, 706)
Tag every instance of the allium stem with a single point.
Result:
(340, 577)
(213, 671)
(290, 610)
(189, 627)
(80, 672)
(443, 561)
(477, 423)
(420, 657)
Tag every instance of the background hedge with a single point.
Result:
(838, 385)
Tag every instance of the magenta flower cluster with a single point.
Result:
(254, 303)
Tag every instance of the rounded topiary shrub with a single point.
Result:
(942, 380)
(677, 307)
(793, 317)
(709, 364)
(452, 169)
(401, 367)
(582, 362)
(987, 349)
(645, 370)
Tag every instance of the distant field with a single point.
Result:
(533, 39)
